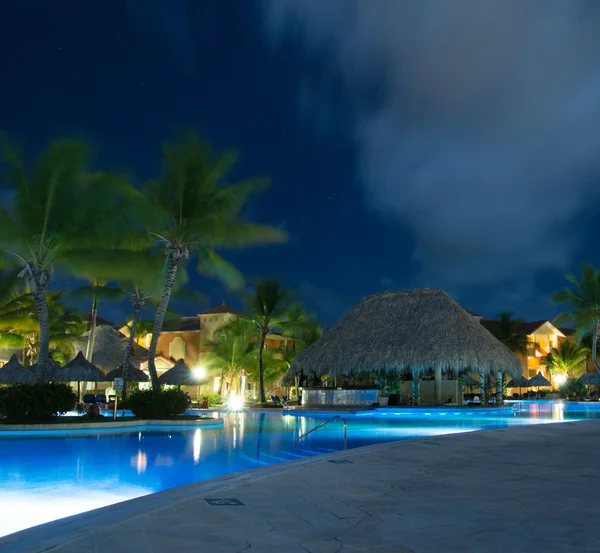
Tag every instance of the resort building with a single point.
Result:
(542, 336)
(190, 338)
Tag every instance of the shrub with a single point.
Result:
(213, 399)
(573, 389)
(36, 402)
(158, 404)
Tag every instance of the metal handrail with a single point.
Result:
(323, 424)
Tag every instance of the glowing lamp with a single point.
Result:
(235, 403)
(560, 379)
(199, 372)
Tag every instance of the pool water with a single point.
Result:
(49, 476)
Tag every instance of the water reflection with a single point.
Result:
(140, 462)
(197, 445)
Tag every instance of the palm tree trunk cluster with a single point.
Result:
(173, 260)
(92, 338)
(41, 307)
(261, 377)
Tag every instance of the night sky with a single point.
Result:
(451, 145)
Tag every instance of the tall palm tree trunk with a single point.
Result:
(261, 375)
(161, 313)
(41, 307)
(416, 387)
(92, 338)
(137, 309)
(499, 391)
(595, 344)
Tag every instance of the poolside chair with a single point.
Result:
(101, 399)
(89, 398)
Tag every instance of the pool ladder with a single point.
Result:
(323, 424)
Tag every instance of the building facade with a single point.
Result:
(189, 338)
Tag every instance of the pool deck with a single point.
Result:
(517, 490)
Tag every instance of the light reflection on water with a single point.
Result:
(44, 478)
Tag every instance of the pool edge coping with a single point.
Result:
(83, 426)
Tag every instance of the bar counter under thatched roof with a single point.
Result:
(416, 329)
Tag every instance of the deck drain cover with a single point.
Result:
(340, 461)
(223, 501)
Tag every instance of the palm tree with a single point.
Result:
(65, 325)
(309, 335)
(267, 308)
(276, 363)
(97, 291)
(296, 321)
(138, 298)
(57, 209)
(234, 351)
(197, 214)
(567, 358)
(507, 331)
(583, 299)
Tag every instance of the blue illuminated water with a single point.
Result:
(46, 477)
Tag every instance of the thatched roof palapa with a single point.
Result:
(15, 373)
(109, 348)
(179, 375)
(79, 369)
(133, 374)
(395, 331)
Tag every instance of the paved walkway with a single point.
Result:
(515, 490)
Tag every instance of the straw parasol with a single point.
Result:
(417, 329)
(538, 380)
(79, 370)
(52, 367)
(179, 375)
(518, 382)
(133, 374)
(587, 378)
(15, 373)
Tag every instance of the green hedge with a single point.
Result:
(158, 404)
(213, 399)
(36, 402)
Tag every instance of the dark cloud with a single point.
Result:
(485, 140)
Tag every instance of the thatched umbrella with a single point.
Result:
(133, 374)
(418, 330)
(51, 368)
(538, 380)
(15, 373)
(518, 382)
(587, 378)
(79, 370)
(179, 375)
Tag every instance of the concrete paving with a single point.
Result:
(522, 489)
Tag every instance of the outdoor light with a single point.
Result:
(235, 403)
(560, 379)
(199, 372)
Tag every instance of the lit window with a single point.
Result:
(177, 349)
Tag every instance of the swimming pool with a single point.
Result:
(47, 477)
